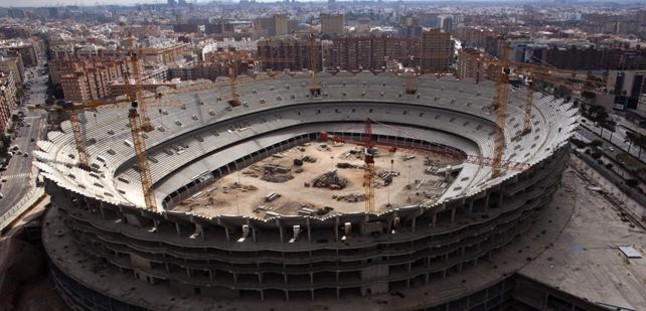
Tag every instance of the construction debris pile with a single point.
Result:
(276, 173)
(387, 176)
(352, 197)
(330, 180)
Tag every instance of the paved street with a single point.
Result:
(617, 138)
(16, 179)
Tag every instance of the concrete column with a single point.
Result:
(188, 272)
(287, 295)
(338, 293)
(285, 278)
(280, 230)
(101, 211)
(211, 274)
(312, 291)
(486, 205)
(253, 231)
(434, 219)
(460, 267)
(226, 232)
(309, 230)
(311, 277)
(500, 199)
(262, 294)
(470, 207)
(427, 278)
(336, 230)
(414, 223)
(444, 274)
(178, 229)
(235, 277)
(453, 215)
(260, 277)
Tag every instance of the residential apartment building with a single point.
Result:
(467, 63)
(14, 66)
(275, 25)
(348, 52)
(436, 51)
(332, 24)
(26, 50)
(8, 100)
(87, 80)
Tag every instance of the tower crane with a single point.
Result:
(315, 89)
(133, 54)
(75, 122)
(368, 158)
(231, 59)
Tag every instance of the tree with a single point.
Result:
(596, 143)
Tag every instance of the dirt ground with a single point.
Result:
(244, 191)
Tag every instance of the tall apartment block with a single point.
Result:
(91, 79)
(26, 50)
(8, 99)
(436, 52)
(275, 25)
(467, 63)
(13, 65)
(332, 24)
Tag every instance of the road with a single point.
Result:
(617, 138)
(16, 181)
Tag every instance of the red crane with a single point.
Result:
(368, 159)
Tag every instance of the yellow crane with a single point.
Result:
(75, 122)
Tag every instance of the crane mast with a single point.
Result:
(369, 174)
(315, 89)
(500, 105)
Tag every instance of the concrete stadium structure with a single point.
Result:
(109, 253)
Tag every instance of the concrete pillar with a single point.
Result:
(235, 277)
(338, 293)
(226, 232)
(309, 230)
(178, 229)
(444, 274)
(285, 278)
(427, 278)
(470, 207)
(453, 215)
(287, 295)
(211, 276)
(311, 277)
(280, 230)
(262, 294)
(460, 267)
(101, 211)
(188, 272)
(312, 291)
(336, 229)
(434, 219)
(260, 277)
(414, 223)
(500, 199)
(253, 231)
(486, 205)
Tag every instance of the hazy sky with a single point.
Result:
(24, 3)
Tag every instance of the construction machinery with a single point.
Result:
(368, 157)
